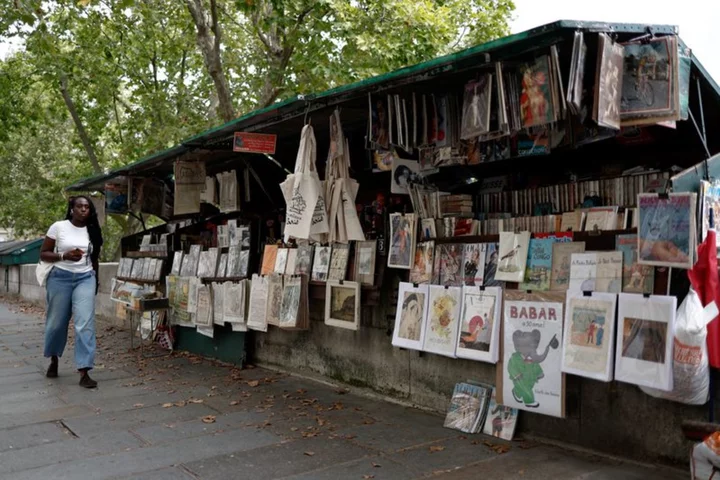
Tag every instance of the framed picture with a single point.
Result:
(645, 340)
(442, 319)
(589, 331)
(321, 263)
(403, 230)
(531, 372)
(365, 255)
(410, 316)
(479, 329)
(342, 304)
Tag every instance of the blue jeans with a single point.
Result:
(71, 294)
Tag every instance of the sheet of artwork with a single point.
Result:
(536, 105)
(609, 82)
(403, 228)
(666, 229)
(442, 320)
(596, 272)
(281, 260)
(404, 173)
(342, 305)
(234, 302)
(274, 299)
(365, 254)
(645, 340)
(217, 291)
(257, 306)
(479, 332)
(561, 254)
(303, 264)
(448, 264)
(532, 360)
(500, 420)
(473, 268)
(636, 278)
(589, 333)
(291, 261)
(410, 316)
(268, 260)
(339, 261)
(290, 305)
(512, 256)
(204, 315)
(422, 270)
(191, 261)
(321, 263)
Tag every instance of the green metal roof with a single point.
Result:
(20, 252)
(297, 105)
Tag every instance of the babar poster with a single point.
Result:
(532, 357)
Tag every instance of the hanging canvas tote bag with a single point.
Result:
(42, 271)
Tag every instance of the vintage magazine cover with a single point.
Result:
(500, 420)
(422, 270)
(321, 263)
(666, 229)
(609, 82)
(589, 333)
(539, 265)
(532, 361)
(403, 230)
(561, 253)
(636, 278)
(479, 332)
(645, 340)
(473, 263)
(442, 319)
(448, 264)
(536, 104)
(468, 407)
(410, 316)
(491, 263)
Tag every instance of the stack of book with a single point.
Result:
(456, 205)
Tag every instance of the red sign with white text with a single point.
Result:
(254, 142)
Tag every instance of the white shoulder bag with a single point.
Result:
(43, 270)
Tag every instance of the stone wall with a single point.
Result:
(614, 418)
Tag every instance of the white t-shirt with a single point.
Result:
(69, 237)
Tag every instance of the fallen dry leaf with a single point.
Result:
(436, 448)
(368, 476)
(234, 402)
(180, 403)
(309, 454)
(376, 465)
(208, 419)
(253, 383)
(196, 400)
(138, 405)
(294, 429)
(167, 405)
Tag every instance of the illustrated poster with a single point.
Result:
(479, 332)
(539, 265)
(501, 420)
(666, 229)
(512, 256)
(402, 240)
(410, 316)
(596, 272)
(422, 270)
(442, 319)
(561, 253)
(636, 278)
(473, 265)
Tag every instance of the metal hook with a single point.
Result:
(307, 121)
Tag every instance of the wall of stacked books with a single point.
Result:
(500, 235)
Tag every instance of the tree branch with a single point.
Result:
(78, 124)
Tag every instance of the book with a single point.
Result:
(561, 253)
(596, 272)
(539, 265)
(468, 407)
(572, 221)
(500, 420)
(636, 278)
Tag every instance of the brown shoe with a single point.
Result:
(86, 381)
(52, 371)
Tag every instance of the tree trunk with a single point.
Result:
(78, 124)
(209, 40)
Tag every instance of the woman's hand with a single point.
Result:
(73, 255)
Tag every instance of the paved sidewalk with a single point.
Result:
(147, 420)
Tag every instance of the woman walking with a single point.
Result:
(73, 246)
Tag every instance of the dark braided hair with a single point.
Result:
(93, 226)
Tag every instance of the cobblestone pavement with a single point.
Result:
(183, 417)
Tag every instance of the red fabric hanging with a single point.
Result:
(704, 279)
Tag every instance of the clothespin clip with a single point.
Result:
(646, 295)
(595, 232)
(587, 293)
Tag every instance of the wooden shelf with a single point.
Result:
(591, 238)
(146, 255)
(221, 279)
(146, 282)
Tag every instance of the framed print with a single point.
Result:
(321, 263)
(479, 330)
(422, 270)
(532, 361)
(365, 255)
(342, 304)
(512, 256)
(645, 340)
(339, 261)
(442, 319)
(410, 316)
(589, 332)
(403, 230)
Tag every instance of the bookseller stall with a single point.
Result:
(510, 226)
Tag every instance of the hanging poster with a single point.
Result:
(589, 332)
(422, 270)
(536, 104)
(561, 254)
(645, 340)
(365, 253)
(609, 82)
(204, 315)
(666, 229)
(339, 261)
(473, 264)
(512, 256)
(342, 305)
(479, 332)
(403, 229)
(491, 263)
(303, 264)
(268, 260)
(448, 265)
(532, 361)
(321, 263)
(539, 264)
(596, 272)
(442, 319)
(189, 185)
(257, 308)
(404, 173)
(636, 278)
(410, 316)
(476, 107)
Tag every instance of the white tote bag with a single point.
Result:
(304, 198)
(42, 271)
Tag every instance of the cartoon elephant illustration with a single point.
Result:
(524, 365)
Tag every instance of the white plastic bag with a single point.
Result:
(704, 460)
(691, 372)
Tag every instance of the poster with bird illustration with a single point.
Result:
(513, 256)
